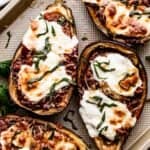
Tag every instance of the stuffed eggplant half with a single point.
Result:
(43, 71)
(122, 20)
(113, 87)
(25, 133)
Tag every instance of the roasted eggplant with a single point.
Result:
(28, 133)
(112, 85)
(43, 70)
(126, 21)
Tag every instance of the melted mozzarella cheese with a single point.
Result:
(122, 23)
(122, 66)
(60, 43)
(65, 146)
(92, 115)
(43, 87)
(50, 62)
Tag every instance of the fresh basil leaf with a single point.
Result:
(53, 31)
(61, 20)
(102, 121)
(46, 31)
(6, 106)
(48, 46)
(5, 68)
(31, 81)
(103, 129)
(4, 95)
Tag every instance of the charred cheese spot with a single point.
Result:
(52, 16)
(129, 81)
(119, 113)
(34, 25)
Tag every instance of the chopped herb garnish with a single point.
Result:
(52, 89)
(47, 47)
(97, 100)
(102, 121)
(37, 64)
(47, 72)
(53, 31)
(103, 129)
(41, 34)
(40, 55)
(101, 65)
(106, 105)
(9, 37)
(97, 74)
(139, 14)
(84, 38)
(61, 20)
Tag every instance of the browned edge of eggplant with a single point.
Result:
(57, 6)
(128, 52)
(123, 39)
(76, 139)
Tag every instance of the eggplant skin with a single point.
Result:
(59, 7)
(130, 41)
(83, 65)
(74, 138)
